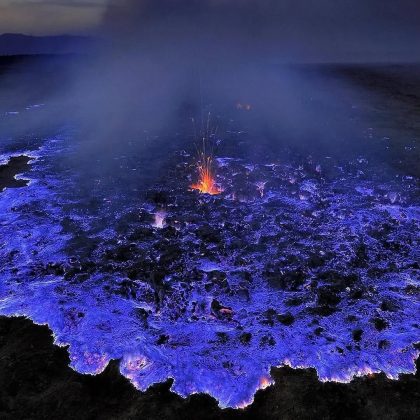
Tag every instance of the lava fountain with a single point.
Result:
(207, 178)
(206, 183)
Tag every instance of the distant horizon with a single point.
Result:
(353, 62)
(13, 44)
(59, 34)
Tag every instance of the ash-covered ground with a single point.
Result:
(308, 260)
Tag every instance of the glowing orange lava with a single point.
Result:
(265, 382)
(206, 183)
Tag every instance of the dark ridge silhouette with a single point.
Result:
(19, 44)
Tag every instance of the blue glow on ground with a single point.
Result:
(314, 272)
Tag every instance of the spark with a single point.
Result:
(207, 178)
(206, 183)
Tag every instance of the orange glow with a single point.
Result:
(244, 107)
(207, 178)
(206, 183)
(265, 382)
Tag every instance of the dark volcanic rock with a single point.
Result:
(357, 334)
(286, 319)
(389, 305)
(208, 234)
(15, 166)
(380, 324)
(328, 296)
(289, 280)
(323, 310)
(245, 338)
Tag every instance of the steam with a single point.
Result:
(163, 60)
(160, 62)
(304, 31)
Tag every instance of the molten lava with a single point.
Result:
(206, 183)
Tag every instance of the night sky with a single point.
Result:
(322, 30)
(44, 17)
